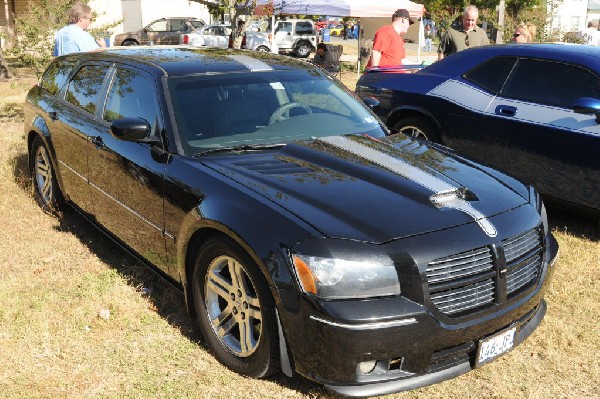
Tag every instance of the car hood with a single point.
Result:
(373, 190)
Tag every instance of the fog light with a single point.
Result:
(367, 367)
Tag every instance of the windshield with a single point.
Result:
(263, 108)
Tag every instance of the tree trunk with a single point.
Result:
(10, 24)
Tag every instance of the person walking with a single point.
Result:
(591, 35)
(388, 45)
(74, 37)
(470, 35)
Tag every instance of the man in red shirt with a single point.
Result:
(388, 46)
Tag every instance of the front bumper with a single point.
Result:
(412, 343)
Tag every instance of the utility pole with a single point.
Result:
(500, 32)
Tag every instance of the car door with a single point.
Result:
(534, 133)
(283, 35)
(176, 28)
(153, 33)
(127, 177)
(70, 126)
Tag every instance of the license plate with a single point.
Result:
(495, 345)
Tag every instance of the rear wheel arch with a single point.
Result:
(130, 42)
(44, 137)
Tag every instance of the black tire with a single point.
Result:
(231, 297)
(302, 50)
(130, 42)
(45, 187)
(419, 127)
(263, 49)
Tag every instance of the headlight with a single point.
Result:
(332, 278)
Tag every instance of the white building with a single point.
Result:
(572, 15)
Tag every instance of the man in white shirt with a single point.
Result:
(591, 35)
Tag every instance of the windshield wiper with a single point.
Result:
(241, 147)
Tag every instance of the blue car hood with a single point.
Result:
(373, 190)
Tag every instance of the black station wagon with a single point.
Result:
(304, 238)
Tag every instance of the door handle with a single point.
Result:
(506, 110)
(53, 115)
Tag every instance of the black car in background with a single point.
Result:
(303, 237)
(531, 110)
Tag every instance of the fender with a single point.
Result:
(404, 111)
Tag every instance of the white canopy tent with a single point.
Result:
(343, 8)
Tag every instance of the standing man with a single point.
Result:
(388, 45)
(591, 35)
(470, 35)
(74, 37)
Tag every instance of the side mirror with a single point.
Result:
(371, 102)
(130, 129)
(587, 105)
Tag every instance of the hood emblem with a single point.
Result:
(445, 195)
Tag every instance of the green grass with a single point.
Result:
(58, 277)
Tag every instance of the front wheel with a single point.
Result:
(45, 187)
(263, 49)
(418, 127)
(235, 310)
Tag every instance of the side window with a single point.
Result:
(559, 85)
(178, 25)
(285, 26)
(491, 74)
(158, 26)
(56, 76)
(132, 94)
(197, 23)
(304, 28)
(85, 87)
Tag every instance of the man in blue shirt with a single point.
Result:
(74, 37)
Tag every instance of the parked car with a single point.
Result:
(302, 236)
(209, 35)
(162, 31)
(336, 30)
(292, 36)
(533, 111)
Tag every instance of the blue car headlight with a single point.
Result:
(333, 278)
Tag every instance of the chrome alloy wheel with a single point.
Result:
(43, 175)
(414, 131)
(233, 306)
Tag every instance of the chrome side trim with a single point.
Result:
(367, 326)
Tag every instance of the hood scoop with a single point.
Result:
(273, 166)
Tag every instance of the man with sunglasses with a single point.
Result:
(388, 45)
(470, 35)
(74, 37)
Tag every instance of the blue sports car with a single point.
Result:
(531, 110)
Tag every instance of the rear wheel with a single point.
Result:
(262, 49)
(45, 187)
(235, 309)
(302, 49)
(418, 127)
(130, 42)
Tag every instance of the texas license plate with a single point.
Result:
(495, 345)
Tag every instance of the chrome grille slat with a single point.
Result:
(458, 266)
(451, 279)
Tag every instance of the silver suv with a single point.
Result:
(296, 36)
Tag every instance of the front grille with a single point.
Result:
(523, 259)
(470, 280)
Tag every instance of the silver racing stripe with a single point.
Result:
(445, 195)
(251, 63)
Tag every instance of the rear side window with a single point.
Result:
(551, 83)
(491, 74)
(85, 87)
(132, 94)
(304, 28)
(56, 76)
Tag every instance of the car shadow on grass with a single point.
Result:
(166, 300)
(573, 224)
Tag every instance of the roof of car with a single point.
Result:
(182, 60)
(465, 60)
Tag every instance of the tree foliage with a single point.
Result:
(35, 29)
